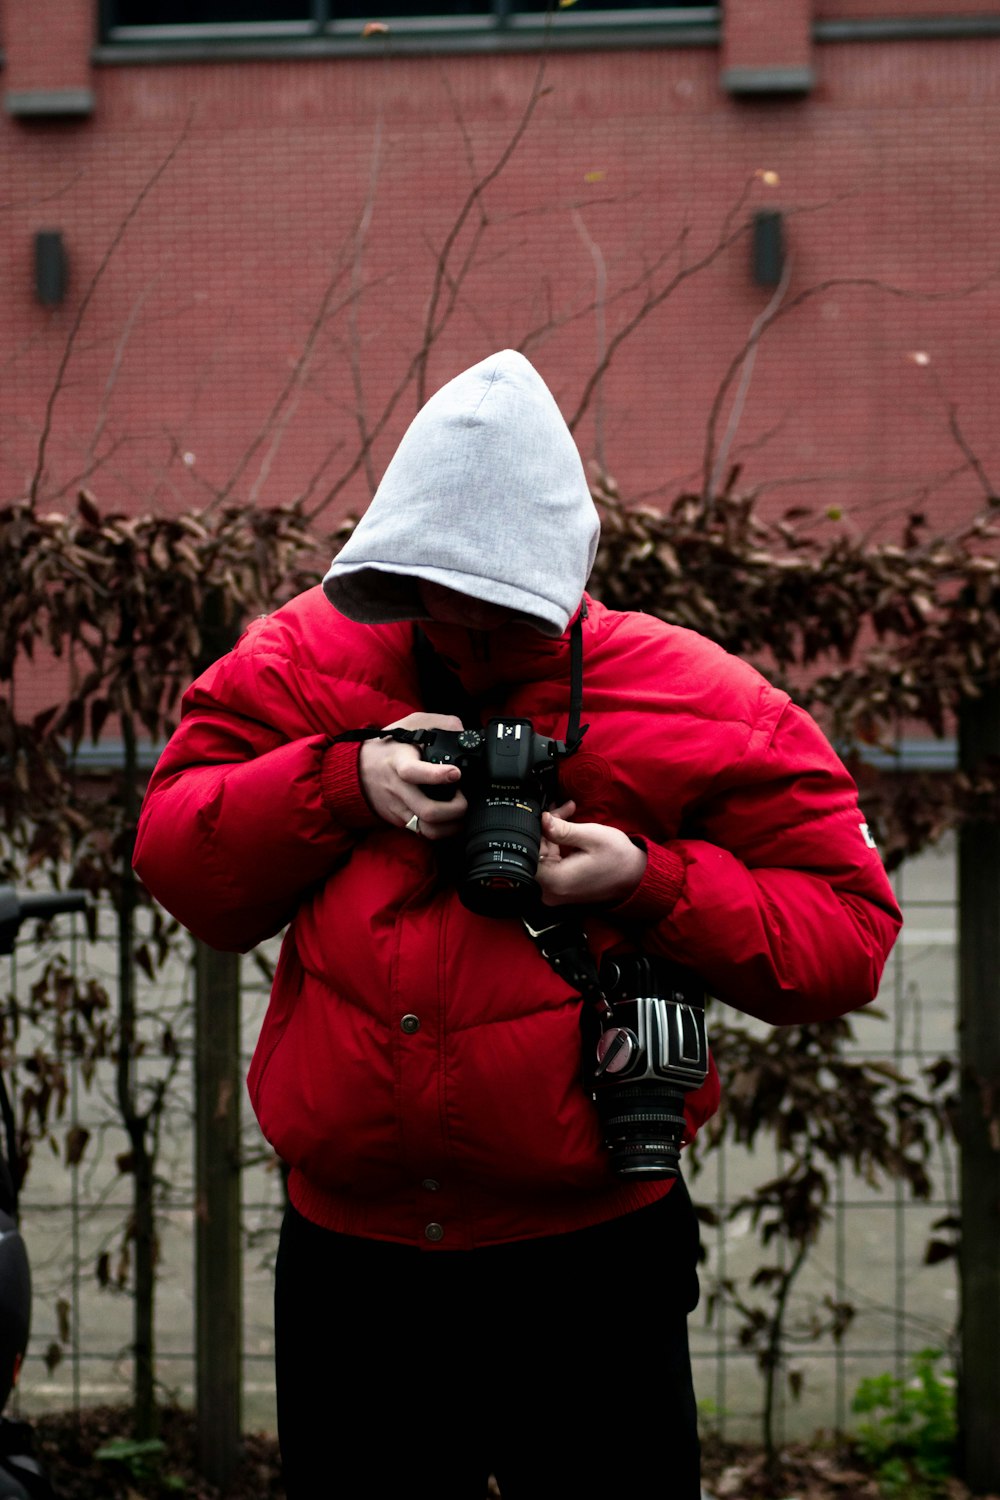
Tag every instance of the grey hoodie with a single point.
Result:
(486, 494)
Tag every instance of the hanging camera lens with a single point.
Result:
(652, 1049)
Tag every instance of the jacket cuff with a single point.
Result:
(340, 786)
(656, 894)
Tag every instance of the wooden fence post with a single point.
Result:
(218, 1248)
(979, 1051)
(218, 1196)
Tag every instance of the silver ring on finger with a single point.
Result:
(413, 825)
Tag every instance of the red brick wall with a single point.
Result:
(887, 173)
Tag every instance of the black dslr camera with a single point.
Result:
(649, 1049)
(508, 777)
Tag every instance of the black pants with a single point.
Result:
(559, 1365)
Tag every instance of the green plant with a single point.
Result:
(911, 1432)
(711, 1415)
(142, 1459)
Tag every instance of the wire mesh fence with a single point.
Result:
(76, 1200)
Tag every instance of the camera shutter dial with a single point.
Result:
(615, 1050)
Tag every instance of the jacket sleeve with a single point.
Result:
(779, 897)
(250, 803)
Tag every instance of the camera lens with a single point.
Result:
(503, 838)
(643, 1128)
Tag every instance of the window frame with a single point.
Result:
(502, 27)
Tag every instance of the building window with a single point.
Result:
(190, 22)
(206, 12)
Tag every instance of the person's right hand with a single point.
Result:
(392, 776)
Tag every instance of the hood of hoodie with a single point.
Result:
(486, 494)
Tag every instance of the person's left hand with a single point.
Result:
(586, 862)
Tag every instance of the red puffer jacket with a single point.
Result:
(419, 1066)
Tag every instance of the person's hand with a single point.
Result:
(586, 862)
(392, 776)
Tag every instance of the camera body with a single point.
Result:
(508, 777)
(651, 1050)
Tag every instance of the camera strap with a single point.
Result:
(358, 736)
(440, 686)
(563, 945)
(574, 730)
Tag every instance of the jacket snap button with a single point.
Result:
(434, 1232)
(410, 1024)
(430, 1184)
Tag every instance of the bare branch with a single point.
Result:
(974, 461)
(284, 406)
(94, 462)
(86, 300)
(553, 324)
(730, 232)
(653, 300)
(432, 328)
(834, 282)
(600, 322)
(364, 224)
(329, 456)
(736, 208)
(749, 360)
(434, 323)
(116, 364)
(297, 373)
(59, 192)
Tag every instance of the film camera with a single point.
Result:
(649, 1048)
(508, 777)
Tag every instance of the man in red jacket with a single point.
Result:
(489, 1255)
